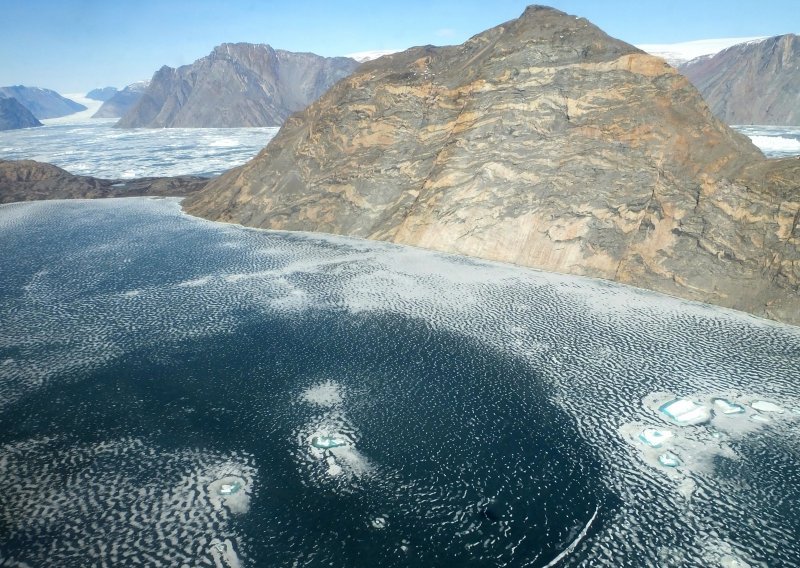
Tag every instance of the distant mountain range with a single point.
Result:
(14, 116)
(238, 84)
(756, 82)
(42, 103)
(121, 102)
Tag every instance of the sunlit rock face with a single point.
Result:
(542, 142)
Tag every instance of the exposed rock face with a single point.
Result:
(13, 115)
(751, 83)
(43, 103)
(102, 94)
(238, 84)
(122, 101)
(541, 142)
(27, 180)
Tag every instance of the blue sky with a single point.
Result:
(76, 45)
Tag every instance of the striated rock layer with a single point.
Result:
(541, 142)
(751, 83)
(238, 84)
(28, 180)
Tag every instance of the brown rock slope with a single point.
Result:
(27, 180)
(541, 142)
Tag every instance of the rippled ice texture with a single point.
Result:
(94, 148)
(162, 379)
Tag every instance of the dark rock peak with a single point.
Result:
(561, 34)
(541, 37)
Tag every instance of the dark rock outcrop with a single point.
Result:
(122, 101)
(27, 180)
(542, 142)
(751, 83)
(13, 115)
(238, 84)
(43, 103)
(101, 94)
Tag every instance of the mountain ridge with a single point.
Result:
(237, 84)
(122, 101)
(751, 82)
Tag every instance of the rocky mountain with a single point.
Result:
(751, 83)
(238, 84)
(541, 142)
(102, 94)
(13, 115)
(43, 103)
(122, 101)
(27, 180)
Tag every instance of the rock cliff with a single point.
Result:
(755, 82)
(43, 103)
(13, 115)
(27, 180)
(238, 84)
(122, 101)
(541, 142)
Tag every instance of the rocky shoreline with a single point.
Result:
(28, 180)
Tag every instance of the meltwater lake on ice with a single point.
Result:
(177, 392)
